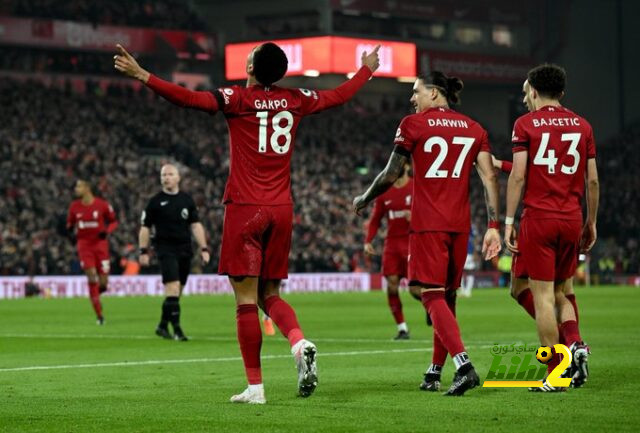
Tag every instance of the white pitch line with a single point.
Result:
(153, 337)
(202, 360)
(198, 360)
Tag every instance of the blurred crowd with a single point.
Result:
(161, 14)
(119, 139)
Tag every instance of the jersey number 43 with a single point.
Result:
(548, 158)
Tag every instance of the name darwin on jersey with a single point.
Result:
(557, 121)
(448, 123)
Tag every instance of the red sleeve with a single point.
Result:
(404, 135)
(484, 143)
(519, 136)
(112, 221)
(591, 146)
(506, 166)
(316, 101)
(204, 101)
(376, 219)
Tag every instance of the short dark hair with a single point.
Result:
(269, 63)
(450, 87)
(86, 181)
(548, 79)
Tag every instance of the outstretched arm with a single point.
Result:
(505, 166)
(127, 64)
(324, 99)
(384, 180)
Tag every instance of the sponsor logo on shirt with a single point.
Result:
(387, 202)
(164, 203)
(395, 214)
(88, 224)
(309, 93)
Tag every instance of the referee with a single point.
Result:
(174, 216)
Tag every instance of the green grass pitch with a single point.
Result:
(121, 377)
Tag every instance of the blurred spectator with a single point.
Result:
(161, 14)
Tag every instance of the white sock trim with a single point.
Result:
(256, 388)
(461, 359)
(403, 327)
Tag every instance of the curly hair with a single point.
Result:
(548, 79)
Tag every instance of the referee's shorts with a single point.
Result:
(175, 263)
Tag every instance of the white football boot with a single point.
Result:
(305, 353)
(254, 394)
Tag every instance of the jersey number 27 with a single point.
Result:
(434, 170)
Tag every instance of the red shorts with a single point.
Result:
(437, 259)
(94, 256)
(549, 247)
(395, 256)
(256, 240)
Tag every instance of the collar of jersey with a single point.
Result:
(552, 108)
(429, 110)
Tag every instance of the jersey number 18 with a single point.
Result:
(278, 131)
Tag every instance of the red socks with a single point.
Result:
(284, 317)
(572, 299)
(439, 351)
(570, 332)
(444, 322)
(250, 339)
(525, 298)
(395, 305)
(94, 295)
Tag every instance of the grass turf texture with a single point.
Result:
(367, 382)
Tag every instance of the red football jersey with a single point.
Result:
(558, 143)
(395, 204)
(444, 145)
(91, 219)
(262, 124)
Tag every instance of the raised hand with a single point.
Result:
(372, 61)
(127, 64)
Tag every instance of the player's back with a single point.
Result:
(558, 143)
(262, 126)
(445, 146)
